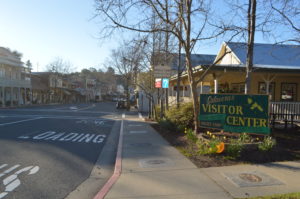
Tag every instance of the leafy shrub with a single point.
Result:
(267, 144)
(203, 147)
(182, 117)
(167, 124)
(245, 138)
(211, 146)
(234, 148)
(157, 112)
(191, 135)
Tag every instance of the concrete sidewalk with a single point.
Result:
(151, 168)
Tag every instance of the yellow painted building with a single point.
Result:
(276, 67)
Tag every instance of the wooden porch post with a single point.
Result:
(201, 87)
(216, 85)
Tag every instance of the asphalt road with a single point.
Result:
(48, 151)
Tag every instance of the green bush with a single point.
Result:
(234, 148)
(245, 138)
(206, 147)
(191, 135)
(157, 112)
(267, 144)
(182, 117)
(166, 124)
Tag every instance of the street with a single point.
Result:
(48, 151)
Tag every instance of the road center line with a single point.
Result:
(84, 108)
(4, 124)
(140, 116)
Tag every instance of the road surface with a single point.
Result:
(50, 151)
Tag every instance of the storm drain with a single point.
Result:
(251, 179)
(156, 163)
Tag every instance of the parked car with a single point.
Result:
(121, 104)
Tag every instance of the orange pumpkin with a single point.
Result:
(220, 147)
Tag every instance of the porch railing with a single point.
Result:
(289, 111)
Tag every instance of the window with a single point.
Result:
(288, 92)
(262, 89)
(238, 87)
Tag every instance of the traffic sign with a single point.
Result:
(165, 83)
(157, 82)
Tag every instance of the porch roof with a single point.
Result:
(239, 68)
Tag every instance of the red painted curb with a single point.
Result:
(118, 169)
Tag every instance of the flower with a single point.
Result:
(224, 137)
(213, 136)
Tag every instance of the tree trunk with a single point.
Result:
(193, 86)
(178, 77)
(187, 48)
(250, 44)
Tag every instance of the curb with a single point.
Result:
(118, 168)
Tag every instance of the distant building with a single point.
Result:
(15, 83)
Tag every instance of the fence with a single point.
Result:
(285, 110)
(289, 112)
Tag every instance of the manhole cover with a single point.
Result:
(156, 163)
(250, 177)
(141, 144)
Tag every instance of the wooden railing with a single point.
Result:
(285, 111)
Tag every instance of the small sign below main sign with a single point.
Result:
(165, 83)
(158, 83)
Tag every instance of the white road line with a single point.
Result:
(79, 109)
(65, 117)
(3, 165)
(9, 170)
(64, 111)
(24, 137)
(140, 116)
(4, 124)
(123, 115)
(131, 125)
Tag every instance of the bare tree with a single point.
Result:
(288, 16)
(58, 65)
(193, 15)
(251, 16)
(126, 62)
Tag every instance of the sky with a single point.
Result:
(43, 30)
